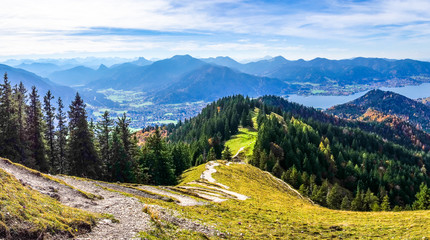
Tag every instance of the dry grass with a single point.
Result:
(275, 212)
(28, 214)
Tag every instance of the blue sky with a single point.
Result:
(206, 28)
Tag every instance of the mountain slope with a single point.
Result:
(275, 211)
(29, 79)
(79, 75)
(41, 69)
(223, 61)
(388, 103)
(212, 82)
(146, 78)
(27, 214)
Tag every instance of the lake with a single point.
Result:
(316, 101)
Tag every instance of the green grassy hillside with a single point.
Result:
(276, 211)
(28, 214)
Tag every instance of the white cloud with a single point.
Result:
(43, 27)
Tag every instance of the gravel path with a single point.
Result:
(207, 175)
(128, 210)
(182, 199)
(61, 192)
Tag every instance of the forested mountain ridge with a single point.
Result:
(390, 103)
(312, 153)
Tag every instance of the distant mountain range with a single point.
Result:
(183, 78)
(387, 103)
(320, 70)
(29, 79)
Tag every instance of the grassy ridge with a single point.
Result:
(28, 214)
(245, 138)
(275, 211)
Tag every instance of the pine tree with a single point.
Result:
(49, 110)
(35, 129)
(124, 162)
(423, 198)
(82, 154)
(321, 196)
(357, 202)
(303, 190)
(226, 154)
(211, 154)
(181, 158)
(104, 129)
(346, 203)
(61, 138)
(385, 205)
(21, 108)
(160, 163)
(120, 169)
(9, 136)
(277, 170)
(334, 197)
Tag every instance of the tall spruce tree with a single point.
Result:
(9, 137)
(49, 111)
(61, 137)
(20, 98)
(159, 160)
(120, 169)
(82, 154)
(35, 129)
(104, 136)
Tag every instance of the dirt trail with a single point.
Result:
(207, 175)
(241, 149)
(128, 210)
(182, 199)
(61, 192)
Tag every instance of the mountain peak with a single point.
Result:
(102, 67)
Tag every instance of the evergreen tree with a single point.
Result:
(121, 168)
(81, 151)
(159, 160)
(277, 170)
(385, 205)
(334, 197)
(346, 203)
(321, 195)
(226, 154)
(211, 154)
(49, 111)
(181, 158)
(9, 136)
(423, 198)
(303, 190)
(104, 129)
(35, 129)
(21, 108)
(61, 138)
(357, 202)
